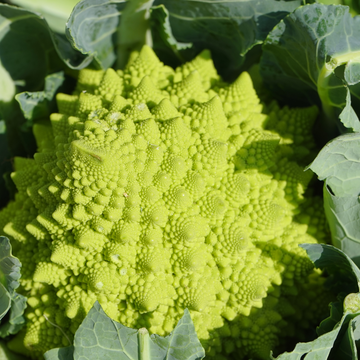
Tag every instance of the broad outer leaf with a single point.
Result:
(55, 12)
(9, 266)
(40, 104)
(181, 344)
(5, 301)
(328, 324)
(337, 337)
(346, 346)
(167, 47)
(15, 321)
(301, 53)
(339, 163)
(66, 353)
(26, 48)
(334, 261)
(228, 28)
(9, 276)
(343, 216)
(318, 349)
(92, 29)
(338, 332)
(100, 337)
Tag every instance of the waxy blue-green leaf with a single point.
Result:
(40, 104)
(30, 50)
(339, 163)
(343, 216)
(348, 115)
(318, 349)
(56, 12)
(92, 30)
(9, 299)
(337, 333)
(302, 59)
(228, 28)
(66, 353)
(336, 344)
(167, 47)
(336, 313)
(106, 30)
(354, 5)
(347, 349)
(100, 337)
(335, 262)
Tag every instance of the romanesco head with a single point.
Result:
(154, 190)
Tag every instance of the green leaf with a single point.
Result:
(336, 313)
(323, 347)
(343, 214)
(167, 47)
(347, 347)
(338, 333)
(9, 299)
(40, 104)
(66, 353)
(181, 344)
(348, 116)
(103, 338)
(92, 30)
(228, 28)
(336, 262)
(317, 349)
(5, 301)
(56, 12)
(27, 50)
(303, 60)
(339, 163)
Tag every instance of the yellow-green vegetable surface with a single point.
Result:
(154, 190)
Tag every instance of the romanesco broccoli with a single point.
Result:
(155, 190)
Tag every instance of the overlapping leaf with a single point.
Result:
(228, 28)
(99, 337)
(12, 305)
(56, 13)
(311, 54)
(339, 332)
(92, 29)
(338, 163)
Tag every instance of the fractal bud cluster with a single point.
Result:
(154, 190)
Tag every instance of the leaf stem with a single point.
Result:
(323, 86)
(144, 338)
